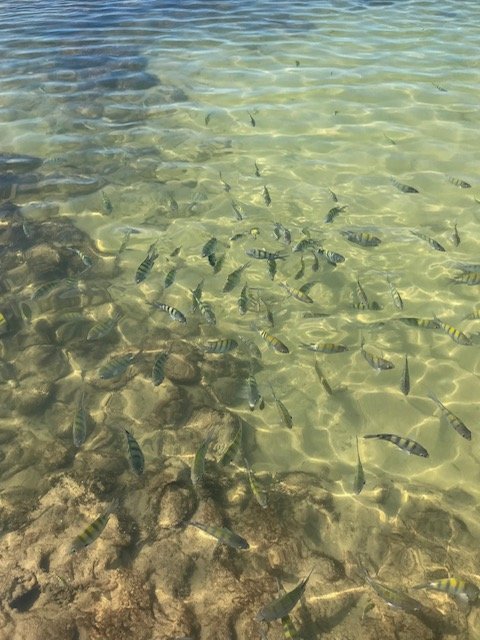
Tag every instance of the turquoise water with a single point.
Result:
(172, 123)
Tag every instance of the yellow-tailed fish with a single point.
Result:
(79, 426)
(234, 278)
(323, 380)
(198, 465)
(273, 342)
(137, 460)
(405, 379)
(455, 334)
(282, 606)
(102, 329)
(433, 243)
(376, 362)
(393, 597)
(259, 493)
(296, 293)
(158, 371)
(462, 589)
(282, 410)
(363, 238)
(146, 265)
(406, 444)
(233, 448)
(324, 347)
(223, 535)
(359, 480)
(222, 345)
(93, 531)
(404, 188)
(174, 313)
(453, 420)
(116, 366)
(397, 300)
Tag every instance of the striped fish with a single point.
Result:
(45, 289)
(261, 254)
(146, 266)
(254, 396)
(137, 459)
(234, 278)
(463, 590)
(397, 300)
(455, 334)
(455, 238)
(404, 188)
(453, 420)
(102, 329)
(233, 448)
(331, 257)
(93, 531)
(305, 244)
(421, 323)
(170, 278)
(361, 295)
(282, 606)
(460, 183)
(376, 362)
(393, 597)
(79, 426)
(198, 466)
(273, 342)
(322, 379)
(289, 630)
(223, 535)
(282, 410)
(405, 379)
(433, 243)
(324, 347)
(258, 492)
(206, 310)
(471, 278)
(158, 371)
(222, 345)
(116, 366)
(174, 313)
(296, 293)
(196, 295)
(363, 238)
(410, 446)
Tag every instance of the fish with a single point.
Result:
(455, 334)
(261, 254)
(301, 272)
(170, 278)
(376, 362)
(471, 278)
(198, 466)
(259, 493)
(404, 188)
(268, 313)
(363, 238)
(237, 211)
(460, 183)
(146, 266)
(455, 237)
(252, 120)
(289, 630)
(254, 396)
(243, 300)
(296, 293)
(237, 236)
(234, 278)
(222, 345)
(79, 426)
(272, 268)
(116, 366)
(196, 295)
(4, 323)
(324, 347)
(207, 312)
(251, 347)
(45, 289)
(174, 313)
(223, 535)
(282, 233)
(217, 267)
(233, 448)
(86, 260)
(333, 213)
(393, 597)
(322, 379)
(158, 371)
(226, 186)
(137, 459)
(273, 342)
(207, 118)
(172, 202)
(257, 170)
(406, 444)
(333, 195)
(422, 323)
(359, 480)
(102, 329)
(282, 410)
(209, 247)
(462, 589)
(315, 264)
(453, 420)
(107, 203)
(474, 315)
(405, 379)
(331, 257)
(397, 300)
(175, 252)
(93, 531)
(305, 244)
(282, 606)
(433, 243)
(212, 260)
(361, 295)
(266, 196)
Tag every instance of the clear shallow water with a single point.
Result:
(148, 107)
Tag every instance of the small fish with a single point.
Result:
(397, 300)
(296, 293)
(331, 257)
(175, 252)
(393, 597)
(259, 493)
(158, 371)
(406, 444)
(460, 183)
(172, 202)
(196, 296)
(282, 606)
(234, 278)
(455, 334)
(361, 295)
(268, 313)
(359, 480)
(333, 213)
(282, 410)
(289, 630)
(362, 238)
(470, 278)
(243, 300)
(217, 267)
(86, 260)
(463, 590)
(102, 329)
(433, 243)
(261, 254)
(324, 347)
(305, 244)
(79, 426)
(251, 347)
(116, 366)
(198, 466)
(315, 264)
(266, 196)
(93, 531)
(137, 459)
(146, 266)
(107, 203)
(174, 313)
(253, 394)
(207, 312)
(207, 118)
(209, 247)
(405, 379)
(404, 188)
(45, 289)
(212, 260)
(437, 86)
(226, 186)
(223, 535)
(333, 195)
(170, 278)
(273, 342)
(233, 448)
(453, 420)
(390, 140)
(474, 315)
(257, 170)
(222, 345)
(301, 272)
(422, 323)
(237, 211)
(237, 236)
(252, 120)
(376, 362)
(455, 237)
(282, 233)
(323, 380)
